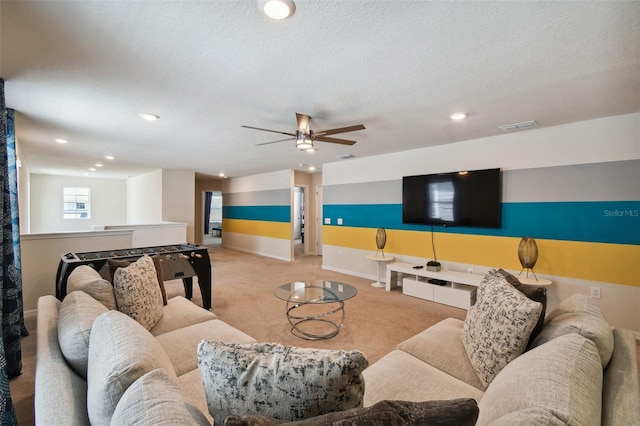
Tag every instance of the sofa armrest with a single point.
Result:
(60, 394)
(621, 391)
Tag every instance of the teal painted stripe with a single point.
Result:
(616, 222)
(266, 213)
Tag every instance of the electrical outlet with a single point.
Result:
(327, 221)
(339, 221)
(595, 292)
(470, 270)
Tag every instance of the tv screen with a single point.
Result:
(469, 198)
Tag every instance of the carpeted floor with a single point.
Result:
(243, 284)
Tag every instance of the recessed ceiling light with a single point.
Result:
(277, 9)
(149, 116)
(109, 157)
(221, 174)
(62, 140)
(85, 174)
(310, 150)
(312, 168)
(99, 164)
(92, 169)
(458, 116)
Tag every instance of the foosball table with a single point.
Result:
(180, 261)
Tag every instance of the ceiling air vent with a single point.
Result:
(346, 156)
(524, 125)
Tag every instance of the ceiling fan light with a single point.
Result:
(304, 143)
(277, 9)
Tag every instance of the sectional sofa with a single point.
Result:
(96, 365)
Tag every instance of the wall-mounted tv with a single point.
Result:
(468, 198)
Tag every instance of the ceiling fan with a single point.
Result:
(305, 137)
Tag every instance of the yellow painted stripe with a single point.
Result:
(613, 263)
(258, 227)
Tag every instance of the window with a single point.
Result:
(76, 203)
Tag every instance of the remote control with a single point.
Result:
(418, 267)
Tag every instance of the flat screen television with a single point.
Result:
(468, 198)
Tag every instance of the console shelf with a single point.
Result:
(459, 290)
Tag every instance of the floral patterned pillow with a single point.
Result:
(281, 382)
(138, 293)
(498, 326)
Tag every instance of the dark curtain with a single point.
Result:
(11, 309)
(207, 211)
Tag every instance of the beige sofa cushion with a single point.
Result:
(85, 278)
(620, 387)
(182, 345)
(78, 311)
(286, 383)
(498, 326)
(560, 380)
(138, 292)
(155, 399)
(578, 314)
(120, 351)
(178, 313)
(441, 347)
(400, 376)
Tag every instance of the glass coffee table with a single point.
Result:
(318, 302)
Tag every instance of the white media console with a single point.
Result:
(459, 290)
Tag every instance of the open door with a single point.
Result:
(212, 219)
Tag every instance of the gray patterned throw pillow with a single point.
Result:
(285, 383)
(138, 293)
(498, 326)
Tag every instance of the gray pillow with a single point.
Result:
(78, 311)
(455, 412)
(120, 351)
(155, 399)
(285, 383)
(557, 383)
(579, 314)
(497, 326)
(85, 278)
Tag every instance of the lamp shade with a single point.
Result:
(381, 238)
(528, 252)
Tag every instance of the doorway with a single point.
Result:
(212, 219)
(299, 203)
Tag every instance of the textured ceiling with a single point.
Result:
(84, 70)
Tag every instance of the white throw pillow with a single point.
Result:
(120, 351)
(498, 325)
(78, 311)
(138, 292)
(285, 383)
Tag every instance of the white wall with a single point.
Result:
(144, 198)
(108, 203)
(41, 257)
(178, 198)
(581, 143)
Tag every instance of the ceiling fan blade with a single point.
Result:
(281, 140)
(333, 140)
(303, 122)
(341, 130)
(268, 130)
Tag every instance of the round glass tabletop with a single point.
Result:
(318, 291)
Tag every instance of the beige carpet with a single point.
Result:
(376, 320)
